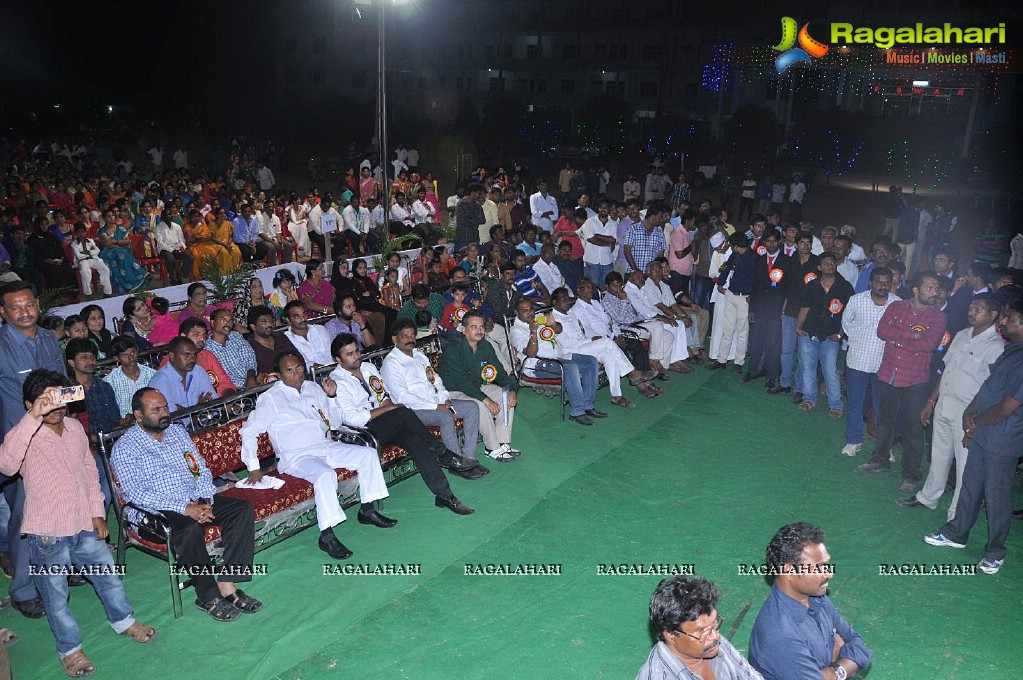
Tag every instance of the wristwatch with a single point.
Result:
(840, 672)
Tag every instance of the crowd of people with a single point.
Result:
(534, 288)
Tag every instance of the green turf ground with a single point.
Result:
(703, 475)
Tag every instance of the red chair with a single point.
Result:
(145, 253)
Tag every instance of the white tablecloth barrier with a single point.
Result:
(112, 306)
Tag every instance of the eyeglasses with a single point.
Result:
(706, 632)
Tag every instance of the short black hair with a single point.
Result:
(787, 545)
(472, 313)
(991, 301)
(679, 599)
(292, 305)
(287, 353)
(420, 292)
(398, 326)
(38, 380)
(738, 240)
(342, 340)
(76, 346)
(919, 277)
(15, 287)
(613, 277)
(256, 313)
(191, 322)
(194, 287)
(136, 399)
(128, 306)
(177, 343)
(880, 271)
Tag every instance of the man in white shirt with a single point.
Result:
(413, 381)
(797, 190)
(358, 223)
(599, 236)
(543, 208)
(859, 323)
(452, 204)
(616, 364)
(631, 189)
(422, 209)
(265, 176)
(180, 159)
(540, 353)
(413, 159)
(545, 268)
(968, 361)
(658, 293)
(364, 401)
(170, 244)
(490, 213)
(315, 225)
(400, 211)
(297, 415)
(270, 232)
(87, 260)
(847, 269)
(311, 340)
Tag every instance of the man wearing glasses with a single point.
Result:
(690, 645)
(799, 634)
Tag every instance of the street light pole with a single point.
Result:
(382, 108)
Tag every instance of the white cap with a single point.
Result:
(717, 239)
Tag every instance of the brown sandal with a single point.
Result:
(140, 633)
(623, 402)
(806, 405)
(77, 665)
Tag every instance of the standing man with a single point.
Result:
(158, 471)
(736, 290)
(799, 634)
(859, 323)
(645, 240)
(797, 190)
(819, 328)
(912, 330)
(802, 270)
(766, 302)
(993, 433)
(543, 208)
(24, 347)
(412, 381)
(598, 235)
(469, 217)
(968, 361)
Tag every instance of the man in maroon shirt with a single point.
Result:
(911, 329)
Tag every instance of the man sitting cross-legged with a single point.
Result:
(412, 381)
(363, 401)
(159, 471)
(298, 415)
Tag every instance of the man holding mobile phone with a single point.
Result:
(413, 381)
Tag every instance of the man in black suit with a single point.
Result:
(766, 303)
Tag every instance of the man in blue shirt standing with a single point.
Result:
(798, 634)
(24, 347)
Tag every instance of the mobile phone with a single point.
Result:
(70, 394)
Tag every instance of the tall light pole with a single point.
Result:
(382, 104)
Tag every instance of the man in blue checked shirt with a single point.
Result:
(160, 470)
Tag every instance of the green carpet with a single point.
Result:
(703, 475)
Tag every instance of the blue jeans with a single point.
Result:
(788, 353)
(580, 380)
(856, 384)
(22, 587)
(596, 273)
(83, 551)
(811, 351)
(702, 287)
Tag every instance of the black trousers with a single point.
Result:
(765, 342)
(401, 427)
(261, 250)
(235, 519)
(171, 258)
(637, 353)
(901, 405)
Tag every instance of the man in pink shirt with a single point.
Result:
(680, 252)
(64, 517)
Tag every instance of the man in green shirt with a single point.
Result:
(471, 370)
(422, 298)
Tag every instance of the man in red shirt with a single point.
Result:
(912, 330)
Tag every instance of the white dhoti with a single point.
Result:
(616, 364)
(318, 467)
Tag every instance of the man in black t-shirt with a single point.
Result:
(802, 269)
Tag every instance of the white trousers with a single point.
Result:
(86, 267)
(300, 232)
(318, 468)
(499, 340)
(735, 327)
(492, 428)
(717, 332)
(616, 364)
(946, 448)
(667, 343)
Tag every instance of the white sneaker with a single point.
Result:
(990, 566)
(501, 453)
(851, 449)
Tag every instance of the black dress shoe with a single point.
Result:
(715, 365)
(770, 385)
(32, 609)
(333, 547)
(594, 413)
(778, 389)
(76, 581)
(1017, 514)
(376, 519)
(474, 472)
(450, 460)
(747, 378)
(909, 502)
(454, 505)
(582, 420)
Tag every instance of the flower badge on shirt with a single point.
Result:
(431, 375)
(377, 385)
(460, 314)
(945, 339)
(547, 334)
(776, 275)
(835, 307)
(192, 462)
(918, 328)
(761, 250)
(271, 377)
(488, 373)
(809, 278)
(214, 380)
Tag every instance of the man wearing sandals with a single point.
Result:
(64, 517)
(616, 364)
(819, 328)
(159, 471)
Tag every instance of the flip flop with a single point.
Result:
(806, 405)
(623, 402)
(8, 638)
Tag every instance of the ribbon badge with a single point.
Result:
(945, 339)
(377, 385)
(214, 379)
(271, 377)
(460, 314)
(431, 374)
(192, 462)
(547, 334)
(835, 307)
(809, 278)
(488, 373)
(918, 328)
(761, 250)
(776, 275)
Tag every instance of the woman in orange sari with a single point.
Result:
(223, 235)
(200, 241)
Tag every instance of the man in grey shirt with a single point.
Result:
(683, 613)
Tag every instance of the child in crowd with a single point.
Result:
(451, 319)
(391, 290)
(285, 291)
(404, 282)
(436, 278)
(165, 324)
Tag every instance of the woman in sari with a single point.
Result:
(126, 274)
(367, 184)
(201, 245)
(255, 298)
(223, 236)
(197, 305)
(316, 293)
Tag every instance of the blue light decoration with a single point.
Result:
(836, 160)
(715, 74)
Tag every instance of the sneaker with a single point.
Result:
(939, 539)
(990, 566)
(851, 449)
